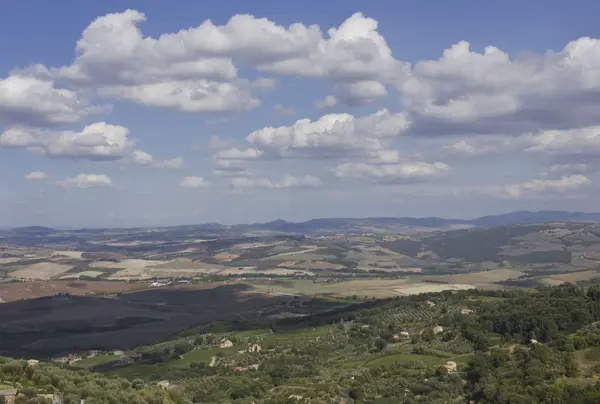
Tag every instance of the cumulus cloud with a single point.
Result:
(86, 181)
(331, 135)
(98, 141)
(470, 92)
(409, 172)
(194, 69)
(328, 102)
(36, 175)
(230, 168)
(354, 51)
(358, 93)
(187, 96)
(289, 181)
(32, 101)
(194, 182)
(140, 157)
(237, 154)
(566, 146)
(540, 187)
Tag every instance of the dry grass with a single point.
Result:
(40, 270)
(483, 278)
(69, 254)
(9, 260)
(577, 276)
(273, 271)
(130, 264)
(90, 274)
(310, 265)
(31, 290)
(226, 257)
(415, 289)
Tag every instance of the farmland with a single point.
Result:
(380, 264)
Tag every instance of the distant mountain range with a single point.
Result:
(377, 224)
(346, 225)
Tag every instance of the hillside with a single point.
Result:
(539, 346)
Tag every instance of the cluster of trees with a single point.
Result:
(506, 367)
(529, 375)
(31, 381)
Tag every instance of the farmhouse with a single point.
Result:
(451, 366)
(164, 384)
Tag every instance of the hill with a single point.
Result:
(537, 346)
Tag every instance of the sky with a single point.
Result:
(146, 113)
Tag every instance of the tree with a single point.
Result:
(380, 344)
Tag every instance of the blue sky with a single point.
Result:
(111, 115)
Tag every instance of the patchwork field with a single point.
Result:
(40, 270)
(31, 290)
(377, 264)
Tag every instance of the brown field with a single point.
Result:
(186, 264)
(390, 287)
(91, 274)
(41, 270)
(479, 278)
(9, 260)
(30, 290)
(418, 288)
(69, 254)
(577, 276)
(131, 264)
(226, 257)
(310, 265)
(359, 287)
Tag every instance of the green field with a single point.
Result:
(95, 361)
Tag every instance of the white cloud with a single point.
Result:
(142, 158)
(540, 187)
(383, 157)
(98, 141)
(36, 175)
(470, 92)
(230, 168)
(354, 51)
(263, 83)
(571, 145)
(328, 102)
(570, 168)
(194, 182)
(283, 110)
(86, 181)
(194, 69)
(237, 154)
(187, 96)
(289, 181)
(358, 93)
(409, 172)
(331, 135)
(174, 163)
(33, 101)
